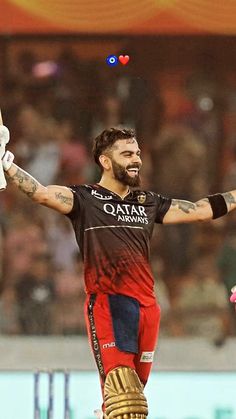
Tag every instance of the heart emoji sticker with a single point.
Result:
(124, 59)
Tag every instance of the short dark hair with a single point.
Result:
(104, 141)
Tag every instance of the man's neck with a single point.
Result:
(114, 186)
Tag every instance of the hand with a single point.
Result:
(233, 296)
(4, 139)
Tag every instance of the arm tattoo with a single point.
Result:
(24, 182)
(184, 206)
(64, 199)
(202, 202)
(229, 199)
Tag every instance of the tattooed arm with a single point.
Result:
(182, 211)
(59, 198)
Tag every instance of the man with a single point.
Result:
(113, 223)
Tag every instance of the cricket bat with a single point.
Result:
(3, 182)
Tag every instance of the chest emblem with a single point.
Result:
(141, 198)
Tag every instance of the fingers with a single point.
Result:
(7, 160)
(3, 182)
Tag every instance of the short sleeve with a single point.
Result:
(74, 213)
(162, 206)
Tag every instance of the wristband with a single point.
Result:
(218, 205)
(7, 160)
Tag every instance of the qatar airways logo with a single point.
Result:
(127, 213)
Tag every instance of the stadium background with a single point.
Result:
(179, 92)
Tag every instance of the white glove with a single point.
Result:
(4, 139)
(7, 160)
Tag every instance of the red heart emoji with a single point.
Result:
(124, 59)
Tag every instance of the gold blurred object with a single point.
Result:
(123, 395)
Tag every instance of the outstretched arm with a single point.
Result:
(205, 209)
(59, 198)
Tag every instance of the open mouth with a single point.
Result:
(133, 171)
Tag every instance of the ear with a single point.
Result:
(105, 161)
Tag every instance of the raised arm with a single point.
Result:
(59, 198)
(214, 206)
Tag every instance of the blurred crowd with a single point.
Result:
(186, 125)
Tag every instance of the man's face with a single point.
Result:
(126, 162)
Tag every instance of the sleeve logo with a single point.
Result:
(147, 356)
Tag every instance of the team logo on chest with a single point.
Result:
(141, 198)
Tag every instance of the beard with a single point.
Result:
(120, 174)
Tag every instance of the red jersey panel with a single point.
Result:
(114, 238)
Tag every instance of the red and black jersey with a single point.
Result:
(114, 238)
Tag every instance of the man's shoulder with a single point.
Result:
(150, 199)
(81, 187)
(92, 190)
(143, 196)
